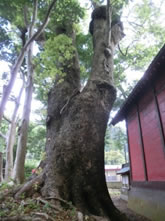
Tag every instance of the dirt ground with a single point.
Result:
(122, 206)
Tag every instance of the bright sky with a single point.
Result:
(130, 75)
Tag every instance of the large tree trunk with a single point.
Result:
(76, 128)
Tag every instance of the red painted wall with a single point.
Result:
(153, 146)
(136, 158)
(154, 150)
(161, 102)
(160, 82)
(160, 90)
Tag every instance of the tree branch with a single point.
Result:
(34, 17)
(7, 119)
(134, 24)
(3, 135)
(36, 35)
(125, 54)
(122, 51)
(25, 16)
(122, 91)
(27, 187)
(42, 27)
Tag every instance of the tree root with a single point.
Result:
(30, 187)
(99, 218)
(17, 218)
(43, 215)
(51, 205)
(70, 206)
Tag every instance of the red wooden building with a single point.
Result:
(144, 113)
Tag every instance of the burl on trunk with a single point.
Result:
(76, 127)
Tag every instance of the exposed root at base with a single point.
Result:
(39, 209)
(27, 201)
(30, 187)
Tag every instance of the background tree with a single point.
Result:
(145, 22)
(11, 138)
(17, 64)
(116, 151)
(114, 157)
(28, 35)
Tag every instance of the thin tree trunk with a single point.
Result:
(1, 167)
(11, 139)
(18, 63)
(18, 173)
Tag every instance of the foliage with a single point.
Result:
(68, 12)
(58, 49)
(36, 141)
(12, 23)
(85, 51)
(114, 157)
(145, 35)
(115, 143)
(58, 54)
(30, 165)
(115, 138)
(117, 8)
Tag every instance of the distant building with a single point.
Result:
(125, 174)
(112, 178)
(144, 113)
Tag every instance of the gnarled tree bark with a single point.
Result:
(75, 132)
